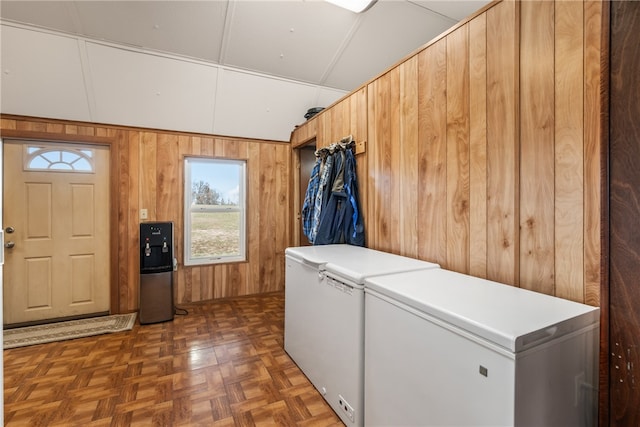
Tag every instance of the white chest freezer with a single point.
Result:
(324, 317)
(447, 349)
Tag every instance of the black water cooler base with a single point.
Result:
(156, 297)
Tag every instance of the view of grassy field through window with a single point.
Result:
(215, 234)
(215, 211)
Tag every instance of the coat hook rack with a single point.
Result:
(344, 144)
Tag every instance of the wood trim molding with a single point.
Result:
(604, 380)
(47, 136)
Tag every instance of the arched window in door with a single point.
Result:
(57, 158)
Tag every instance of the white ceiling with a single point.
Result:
(309, 41)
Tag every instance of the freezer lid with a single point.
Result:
(318, 256)
(513, 318)
(354, 263)
(367, 263)
(304, 254)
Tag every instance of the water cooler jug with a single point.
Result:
(156, 272)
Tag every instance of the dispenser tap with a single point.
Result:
(147, 249)
(165, 248)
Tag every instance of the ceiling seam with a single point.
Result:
(74, 14)
(85, 67)
(228, 19)
(83, 54)
(442, 15)
(340, 51)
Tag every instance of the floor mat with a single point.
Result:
(31, 335)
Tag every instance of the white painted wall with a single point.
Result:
(42, 75)
(59, 76)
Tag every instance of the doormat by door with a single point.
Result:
(31, 335)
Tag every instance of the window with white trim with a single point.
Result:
(215, 211)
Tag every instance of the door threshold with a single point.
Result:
(55, 320)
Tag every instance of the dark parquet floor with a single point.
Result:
(223, 364)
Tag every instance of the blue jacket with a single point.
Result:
(309, 204)
(340, 218)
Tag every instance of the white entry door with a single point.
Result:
(56, 219)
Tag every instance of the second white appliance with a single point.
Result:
(324, 317)
(447, 349)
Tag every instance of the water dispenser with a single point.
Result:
(156, 272)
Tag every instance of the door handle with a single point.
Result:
(9, 244)
(9, 230)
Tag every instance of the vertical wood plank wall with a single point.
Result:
(149, 173)
(622, 361)
(347, 117)
(483, 148)
(537, 256)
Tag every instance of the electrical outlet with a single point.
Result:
(344, 405)
(144, 214)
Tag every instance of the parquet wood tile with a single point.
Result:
(223, 364)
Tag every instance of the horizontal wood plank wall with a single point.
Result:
(484, 149)
(150, 173)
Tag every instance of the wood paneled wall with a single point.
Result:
(483, 148)
(622, 360)
(149, 173)
(347, 117)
